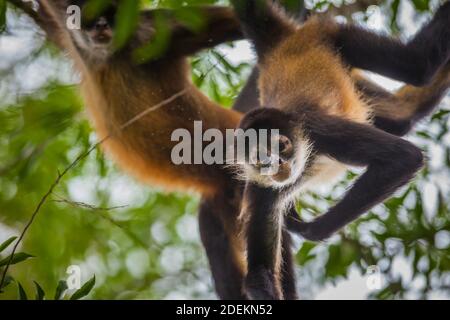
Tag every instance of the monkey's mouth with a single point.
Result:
(103, 37)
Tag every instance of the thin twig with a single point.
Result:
(73, 165)
(86, 205)
(100, 211)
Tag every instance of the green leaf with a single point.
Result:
(60, 289)
(157, 46)
(421, 5)
(127, 20)
(22, 293)
(2, 15)
(394, 8)
(84, 290)
(6, 244)
(304, 254)
(8, 281)
(18, 257)
(40, 294)
(293, 6)
(94, 8)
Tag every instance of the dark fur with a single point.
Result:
(415, 62)
(391, 162)
(219, 240)
(263, 243)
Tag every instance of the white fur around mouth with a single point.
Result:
(250, 173)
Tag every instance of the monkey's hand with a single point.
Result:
(312, 231)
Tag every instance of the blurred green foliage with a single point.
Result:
(144, 244)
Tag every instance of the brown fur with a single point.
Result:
(119, 90)
(144, 149)
(305, 65)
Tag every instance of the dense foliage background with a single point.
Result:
(142, 243)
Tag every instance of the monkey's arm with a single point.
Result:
(415, 62)
(217, 25)
(391, 162)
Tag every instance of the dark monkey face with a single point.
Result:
(280, 160)
(96, 33)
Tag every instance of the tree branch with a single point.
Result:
(26, 7)
(42, 18)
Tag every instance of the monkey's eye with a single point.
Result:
(286, 147)
(90, 20)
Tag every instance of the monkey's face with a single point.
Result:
(96, 33)
(278, 156)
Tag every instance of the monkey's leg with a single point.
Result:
(415, 62)
(411, 103)
(264, 233)
(391, 162)
(221, 244)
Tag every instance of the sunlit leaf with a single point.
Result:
(40, 294)
(8, 280)
(2, 15)
(126, 22)
(18, 257)
(6, 244)
(60, 289)
(22, 293)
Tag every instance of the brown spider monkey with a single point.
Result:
(116, 89)
(326, 123)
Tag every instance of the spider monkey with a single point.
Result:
(116, 88)
(326, 124)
